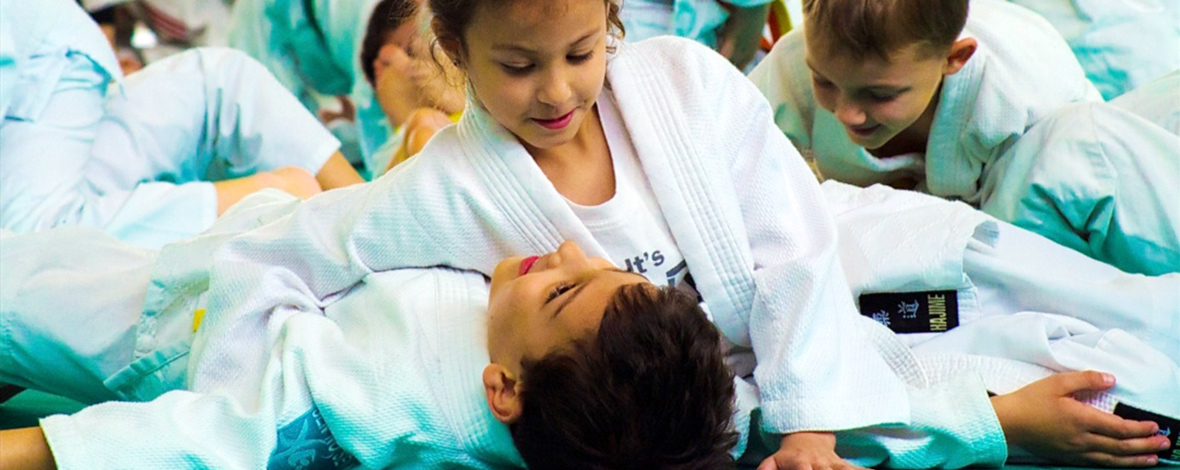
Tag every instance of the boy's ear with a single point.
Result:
(961, 51)
(503, 393)
(447, 41)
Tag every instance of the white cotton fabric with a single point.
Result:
(1100, 179)
(142, 172)
(629, 227)
(1026, 319)
(1122, 45)
(743, 208)
(1157, 102)
(1021, 71)
(388, 376)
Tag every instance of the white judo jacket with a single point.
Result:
(388, 377)
(741, 205)
(1021, 71)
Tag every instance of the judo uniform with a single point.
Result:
(474, 196)
(1021, 71)
(225, 117)
(387, 376)
(1157, 102)
(137, 165)
(398, 317)
(1098, 178)
(1026, 308)
(313, 47)
(59, 70)
(696, 20)
(1121, 45)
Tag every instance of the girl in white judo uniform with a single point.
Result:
(930, 105)
(541, 148)
(410, 369)
(633, 171)
(375, 342)
(66, 158)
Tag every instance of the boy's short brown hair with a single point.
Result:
(651, 391)
(878, 28)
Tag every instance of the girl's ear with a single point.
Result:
(448, 42)
(961, 51)
(503, 393)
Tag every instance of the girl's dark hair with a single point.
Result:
(387, 16)
(454, 16)
(650, 391)
(877, 28)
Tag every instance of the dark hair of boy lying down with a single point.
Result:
(650, 391)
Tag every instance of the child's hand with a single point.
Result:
(807, 451)
(1045, 419)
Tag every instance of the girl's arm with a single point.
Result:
(25, 449)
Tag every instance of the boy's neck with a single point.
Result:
(914, 138)
(580, 169)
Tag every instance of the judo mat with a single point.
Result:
(26, 407)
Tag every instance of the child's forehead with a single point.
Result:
(518, 13)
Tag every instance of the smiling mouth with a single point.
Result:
(527, 264)
(864, 131)
(558, 123)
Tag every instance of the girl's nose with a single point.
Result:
(555, 91)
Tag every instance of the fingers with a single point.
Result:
(768, 464)
(1137, 446)
(1109, 425)
(1107, 460)
(1083, 381)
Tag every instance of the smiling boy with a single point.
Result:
(917, 93)
(387, 375)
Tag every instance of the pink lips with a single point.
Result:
(527, 264)
(559, 123)
(864, 131)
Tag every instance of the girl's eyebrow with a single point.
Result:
(522, 49)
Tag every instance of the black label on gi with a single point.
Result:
(913, 312)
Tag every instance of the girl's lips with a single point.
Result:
(864, 131)
(559, 123)
(527, 264)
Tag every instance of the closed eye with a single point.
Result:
(517, 69)
(558, 290)
(579, 58)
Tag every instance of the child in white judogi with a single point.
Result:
(926, 107)
(68, 158)
(129, 355)
(411, 368)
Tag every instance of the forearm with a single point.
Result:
(743, 33)
(25, 449)
(337, 173)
